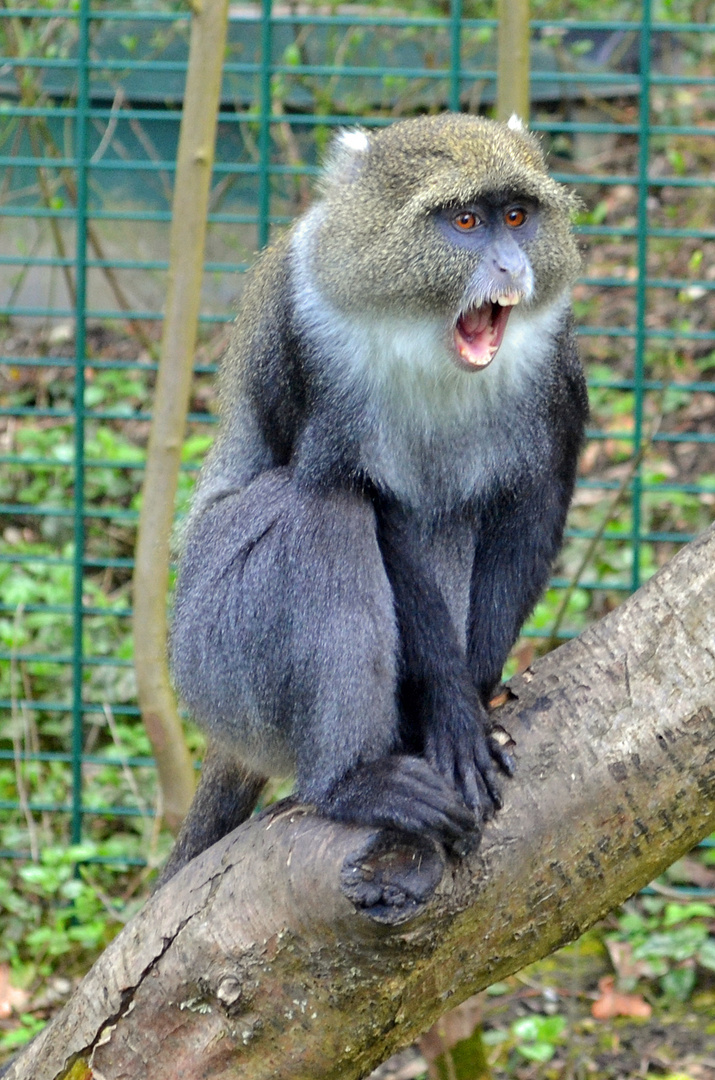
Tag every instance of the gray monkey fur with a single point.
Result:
(376, 518)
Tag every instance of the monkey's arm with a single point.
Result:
(511, 569)
(443, 716)
(521, 530)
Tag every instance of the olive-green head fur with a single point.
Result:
(374, 241)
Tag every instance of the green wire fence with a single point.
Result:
(90, 100)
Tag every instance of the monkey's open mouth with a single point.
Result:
(479, 331)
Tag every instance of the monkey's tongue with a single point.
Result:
(479, 332)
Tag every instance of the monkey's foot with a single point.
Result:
(403, 793)
(392, 876)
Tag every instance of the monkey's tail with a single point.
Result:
(225, 797)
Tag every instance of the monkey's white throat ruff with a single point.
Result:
(479, 332)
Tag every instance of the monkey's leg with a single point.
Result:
(285, 648)
(224, 799)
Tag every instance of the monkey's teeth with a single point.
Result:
(505, 299)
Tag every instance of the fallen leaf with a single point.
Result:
(11, 999)
(524, 656)
(611, 1003)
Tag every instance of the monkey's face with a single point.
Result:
(451, 218)
(494, 233)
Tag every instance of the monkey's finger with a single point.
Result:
(465, 765)
(479, 794)
(431, 781)
(443, 757)
(475, 793)
(491, 783)
(484, 762)
(447, 822)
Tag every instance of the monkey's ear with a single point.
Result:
(346, 155)
(521, 128)
(516, 123)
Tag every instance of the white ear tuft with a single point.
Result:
(345, 157)
(516, 123)
(353, 139)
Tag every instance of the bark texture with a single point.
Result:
(255, 962)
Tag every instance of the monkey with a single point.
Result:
(401, 411)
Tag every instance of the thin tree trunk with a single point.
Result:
(299, 949)
(171, 402)
(513, 59)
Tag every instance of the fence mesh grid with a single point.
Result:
(90, 103)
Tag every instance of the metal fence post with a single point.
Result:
(82, 105)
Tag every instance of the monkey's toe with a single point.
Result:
(402, 793)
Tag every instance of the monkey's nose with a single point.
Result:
(510, 268)
(509, 264)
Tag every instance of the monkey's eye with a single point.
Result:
(466, 220)
(515, 216)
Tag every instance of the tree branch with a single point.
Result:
(255, 962)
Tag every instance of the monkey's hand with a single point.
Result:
(461, 750)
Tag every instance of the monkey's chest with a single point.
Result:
(423, 468)
(439, 466)
(433, 435)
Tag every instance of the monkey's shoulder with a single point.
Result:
(262, 323)
(262, 374)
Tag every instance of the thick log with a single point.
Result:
(300, 949)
